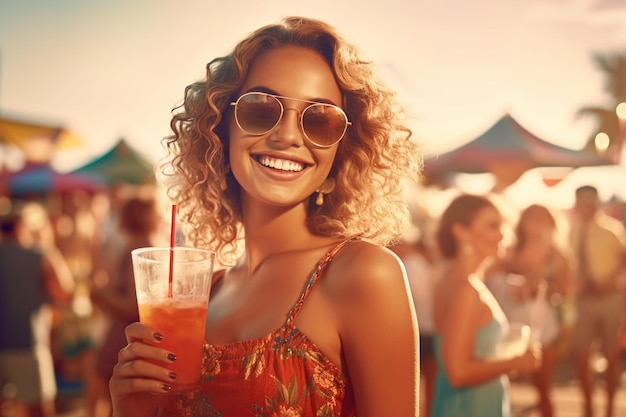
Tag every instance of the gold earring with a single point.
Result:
(320, 198)
(326, 188)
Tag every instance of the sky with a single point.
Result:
(115, 68)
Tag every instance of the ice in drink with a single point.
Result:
(182, 325)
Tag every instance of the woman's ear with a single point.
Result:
(459, 231)
(327, 186)
(462, 237)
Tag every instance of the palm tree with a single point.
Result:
(613, 66)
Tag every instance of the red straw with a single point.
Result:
(172, 235)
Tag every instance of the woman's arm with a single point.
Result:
(458, 335)
(378, 330)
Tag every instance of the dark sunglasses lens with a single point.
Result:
(257, 113)
(324, 124)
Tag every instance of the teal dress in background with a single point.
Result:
(490, 399)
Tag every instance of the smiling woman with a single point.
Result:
(290, 154)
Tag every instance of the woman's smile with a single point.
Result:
(280, 164)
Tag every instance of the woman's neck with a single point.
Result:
(466, 266)
(272, 230)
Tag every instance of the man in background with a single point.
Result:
(33, 276)
(599, 245)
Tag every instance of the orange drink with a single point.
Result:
(173, 300)
(182, 326)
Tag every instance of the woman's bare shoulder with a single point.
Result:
(450, 289)
(366, 287)
(364, 267)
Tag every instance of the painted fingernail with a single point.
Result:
(173, 375)
(158, 337)
(171, 357)
(165, 387)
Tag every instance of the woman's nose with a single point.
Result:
(288, 130)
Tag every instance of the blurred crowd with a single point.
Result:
(550, 277)
(505, 294)
(67, 292)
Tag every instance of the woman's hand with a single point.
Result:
(137, 377)
(530, 361)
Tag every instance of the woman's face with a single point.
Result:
(537, 222)
(281, 167)
(484, 233)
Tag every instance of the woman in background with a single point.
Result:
(531, 282)
(471, 379)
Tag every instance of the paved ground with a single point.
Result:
(567, 401)
(566, 395)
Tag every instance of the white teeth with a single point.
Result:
(281, 164)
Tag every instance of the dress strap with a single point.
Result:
(217, 277)
(321, 265)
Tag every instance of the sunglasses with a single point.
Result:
(258, 113)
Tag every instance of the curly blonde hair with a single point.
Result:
(371, 161)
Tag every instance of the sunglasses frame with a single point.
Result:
(300, 113)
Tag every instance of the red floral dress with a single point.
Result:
(283, 374)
